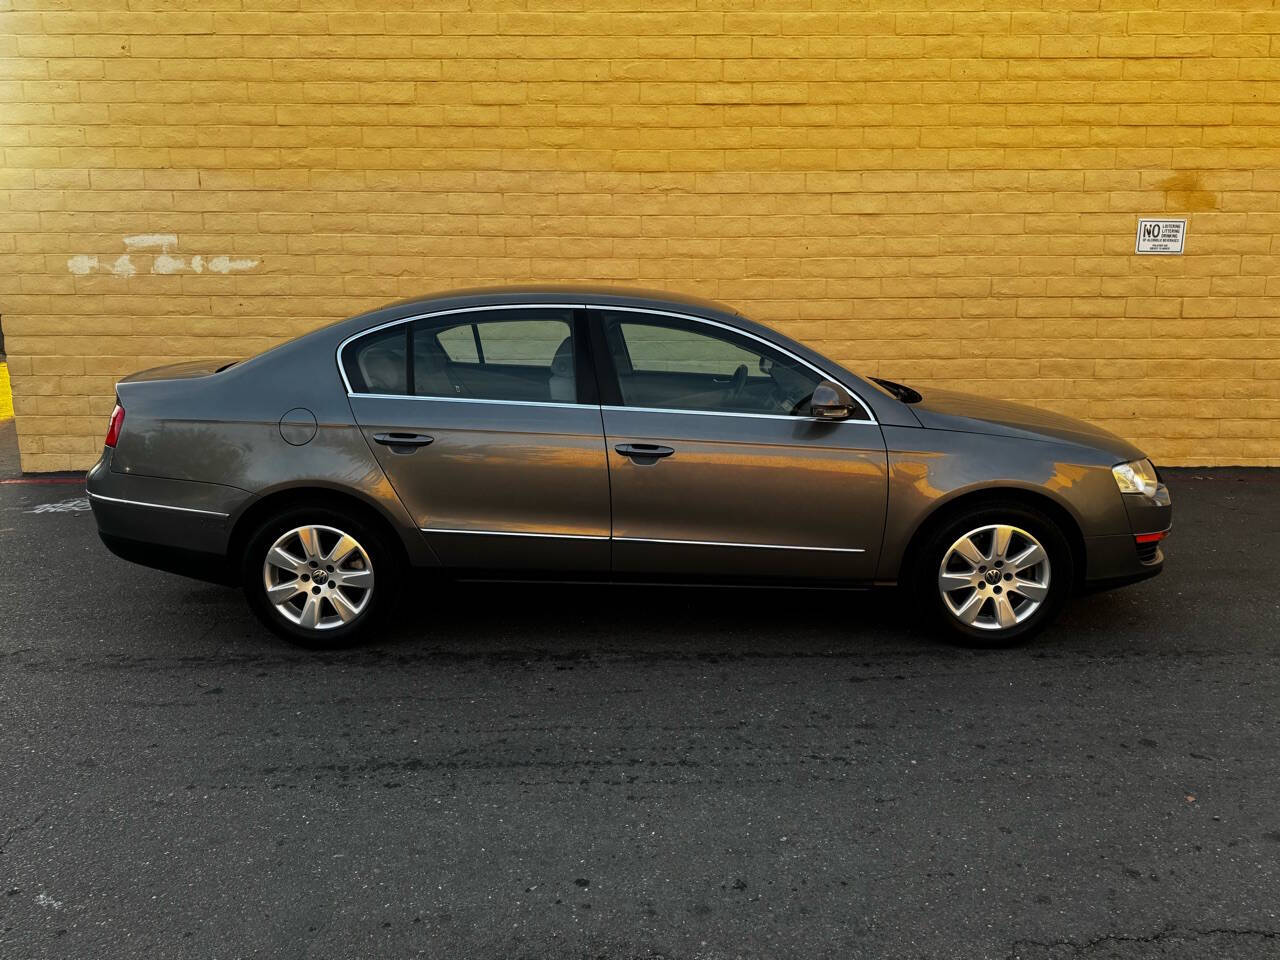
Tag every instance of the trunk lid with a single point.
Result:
(178, 371)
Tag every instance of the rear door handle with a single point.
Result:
(644, 451)
(403, 442)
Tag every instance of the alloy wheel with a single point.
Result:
(994, 577)
(318, 577)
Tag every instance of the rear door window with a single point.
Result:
(522, 354)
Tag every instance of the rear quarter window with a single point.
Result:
(378, 363)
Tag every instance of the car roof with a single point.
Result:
(551, 293)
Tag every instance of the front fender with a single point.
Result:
(932, 469)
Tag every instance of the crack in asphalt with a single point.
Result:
(1169, 934)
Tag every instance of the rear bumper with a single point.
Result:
(212, 567)
(176, 525)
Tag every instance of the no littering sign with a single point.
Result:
(1161, 236)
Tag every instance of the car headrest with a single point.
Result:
(383, 370)
(562, 362)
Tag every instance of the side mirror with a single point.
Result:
(830, 401)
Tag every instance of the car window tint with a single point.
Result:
(459, 343)
(526, 342)
(523, 355)
(378, 363)
(683, 351)
(674, 364)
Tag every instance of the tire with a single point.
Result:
(967, 583)
(345, 576)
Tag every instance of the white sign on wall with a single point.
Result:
(1161, 236)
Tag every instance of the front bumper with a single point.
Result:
(1125, 558)
(177, 525)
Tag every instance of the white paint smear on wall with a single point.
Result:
(123, 267)
(140, 241)
(167, 264)
(163, 263)
(225, 264)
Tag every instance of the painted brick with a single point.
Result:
(940, 195)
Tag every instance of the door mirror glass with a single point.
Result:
(830, 401)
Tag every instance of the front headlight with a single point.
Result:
(1136, 477)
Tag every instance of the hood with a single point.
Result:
(178, 371)
(967, 413)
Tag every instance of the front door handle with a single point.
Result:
(403, 442)
(644, 452)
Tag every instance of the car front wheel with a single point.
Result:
(994, 576)
(318, 577)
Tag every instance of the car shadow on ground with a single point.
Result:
(536, 621)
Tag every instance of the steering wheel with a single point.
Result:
(800, 408)
(739, 382)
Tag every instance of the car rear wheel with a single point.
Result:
(318, 577)
(995, 576)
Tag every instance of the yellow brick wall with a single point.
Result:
(925, 189)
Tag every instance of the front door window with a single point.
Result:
(674, 364)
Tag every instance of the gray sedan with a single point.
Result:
(598, 434)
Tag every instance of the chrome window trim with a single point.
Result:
(609, 407)
(481, 308)
(683, 543)
(505, 403)
(730, 413)
(156, 506)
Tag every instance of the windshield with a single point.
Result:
(898, 391)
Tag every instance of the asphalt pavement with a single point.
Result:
(623, 772)
(9, 463)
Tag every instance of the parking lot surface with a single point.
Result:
(571, 772)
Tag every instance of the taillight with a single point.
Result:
(114, 427)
